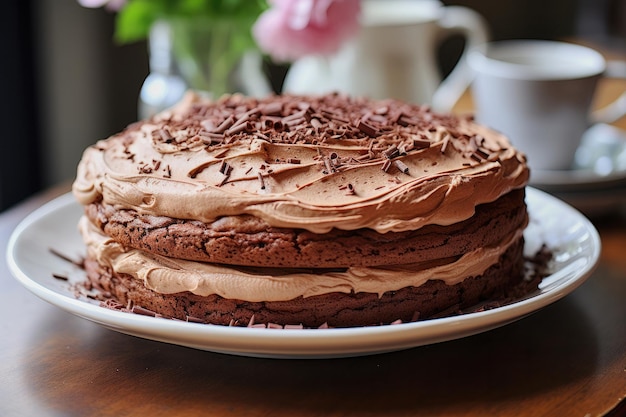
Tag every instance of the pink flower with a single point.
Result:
(113, 5)
(291, 29)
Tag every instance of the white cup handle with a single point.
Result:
(467, 22)
(617, 109)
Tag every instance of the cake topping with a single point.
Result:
(387, 131)
(283, 159)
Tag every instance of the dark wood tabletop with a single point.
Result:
(568, 359)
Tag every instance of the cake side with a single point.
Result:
(334, 309)
(248, 241)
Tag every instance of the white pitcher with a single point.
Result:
(395, 55)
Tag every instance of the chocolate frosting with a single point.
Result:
(315, 163)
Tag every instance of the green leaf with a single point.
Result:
(134, 20)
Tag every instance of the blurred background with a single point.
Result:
(66, 83)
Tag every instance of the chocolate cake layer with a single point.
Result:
(334, 309)
(247, 241)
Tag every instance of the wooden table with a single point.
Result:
(568, 359)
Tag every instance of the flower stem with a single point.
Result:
(206, 53)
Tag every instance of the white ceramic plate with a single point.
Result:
(570, 235)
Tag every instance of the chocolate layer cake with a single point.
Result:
(305, 211)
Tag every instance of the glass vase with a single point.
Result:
(206, 55)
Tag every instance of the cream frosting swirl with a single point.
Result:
(315, 163)
(168, 275)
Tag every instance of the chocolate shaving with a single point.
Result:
(221, 154)
(165, 135)
(367, 128)
(407, 121)
(197, 170)
(225, 168)
(421, 143)
(316, 123)
(211, 138)
(294, 116)
(295, 122)
(401, 166)
(480, 152)
(241, 127)
(272, 109)
(444, 146)
(221, 128)
(327, 164)
(334, 116)
(208, 125)
(143, 311)
(224, 180)
(279, 126)
(403, 122)
(261, 180)
(78, 263)
(391, 152)
(243, 119)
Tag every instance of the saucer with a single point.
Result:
(596, 183)
(600, 163)
(576, 180)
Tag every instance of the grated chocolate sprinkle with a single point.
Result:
(385, 129)
(60, 277)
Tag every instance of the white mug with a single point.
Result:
(394, 55)
(539, 93)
